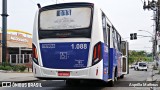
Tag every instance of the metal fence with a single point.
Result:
(20, 58)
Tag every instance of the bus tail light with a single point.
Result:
(97, 53)
(35, 54)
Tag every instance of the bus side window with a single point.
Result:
(113, 36)
(116, 40)
(123, 48)
(119, 44)
(108, 28)
(104, 28)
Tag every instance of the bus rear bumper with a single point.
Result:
(94, 72)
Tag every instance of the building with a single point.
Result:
(19, 46)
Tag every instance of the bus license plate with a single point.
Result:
(63, 73)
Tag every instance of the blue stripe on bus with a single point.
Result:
(68, 55)
(113, 61)
(105, 61)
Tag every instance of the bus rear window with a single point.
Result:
(66, 18)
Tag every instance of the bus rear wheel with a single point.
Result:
(111, 83)
(114, 79)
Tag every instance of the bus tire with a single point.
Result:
(114, 79)
(111, 83)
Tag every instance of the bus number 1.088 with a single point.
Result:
(79, 46)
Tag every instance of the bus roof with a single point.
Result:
(68, 5)
(74, 4)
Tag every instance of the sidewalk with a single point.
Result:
(156, 76)
(17, 76)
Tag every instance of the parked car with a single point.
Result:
(141, 66)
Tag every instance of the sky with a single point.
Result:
(127, 16)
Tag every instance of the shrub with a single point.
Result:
(15, 68)
(22, 68)
(8, 68)
(1, 67)
(5, 68)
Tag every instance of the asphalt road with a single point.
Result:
(121, 84)
(133, 76)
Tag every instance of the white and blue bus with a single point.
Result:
(76, 41)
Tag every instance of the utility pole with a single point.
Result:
(158, 15)
(157, 20)
(153, 5)
(4, 31)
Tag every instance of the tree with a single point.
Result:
(135, 56)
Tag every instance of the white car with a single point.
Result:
(141, 66)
